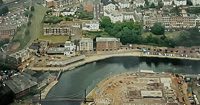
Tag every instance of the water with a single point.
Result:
(73, 83)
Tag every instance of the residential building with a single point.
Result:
(86, 44)
(167, 2)
(57, 30)
(180, 2)
(7, 32)
(128, 16)
(107, 44)
(139, 3)
(91, 25)
(170, 22)
(70, 45)
(59, 3)
(114, 16)
(21, 55)
(153, 1)
(109, 7)
(68, 12)
(22, 84)
(195, 2)
(124, 4)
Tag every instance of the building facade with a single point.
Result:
(170, 22)
(109, 7)
(86, 44)
(91, 26)
(196, 2)
(180, 2)
(21, 55)
(139, 3)
(57, 30)
(107, 44)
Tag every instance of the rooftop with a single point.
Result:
(100, 39)
(21, 82)
(57, 50)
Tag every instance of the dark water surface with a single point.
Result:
(73, 83)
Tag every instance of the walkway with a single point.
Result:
(97, 57)
(47, 89)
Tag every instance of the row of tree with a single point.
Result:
(131, 32)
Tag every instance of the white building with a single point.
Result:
(109, 7)
(139, 3)
(91, 26)
(71, 48)
(86, 44)
(124, 4)
(21, 55)
(167, 2)
(196, 2)
(153, 1)
(68, 49)
(180, 2)
(128, 16)
(114, 16)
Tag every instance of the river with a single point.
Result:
(73, 83)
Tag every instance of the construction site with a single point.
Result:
(139, 88)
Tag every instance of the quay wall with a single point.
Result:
(98, 57)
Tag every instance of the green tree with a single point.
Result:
(193, 10)
(189, 2)
(1, 2)
(3, 10)
(105, 22)
(152, 5)
(160, 4)
(32, 8)
(27, 32)
(146, 3)
(29, 23)
(158, 29)
(175, 10)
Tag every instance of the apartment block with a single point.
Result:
(107, 44)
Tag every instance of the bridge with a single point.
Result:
(85, 100)
(68, 99)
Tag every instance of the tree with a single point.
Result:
(193, 10)
(32, 8)
(29, 23)
(146, 3)
(189, 2)
(4, 10)
(27, 32)
(152, 5)
(105, 22)
(160, 4)
(175, 10)
(1, 2)
(158, 29)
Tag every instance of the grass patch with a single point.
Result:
(35, 28)
(36, 22)
(54, 39)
